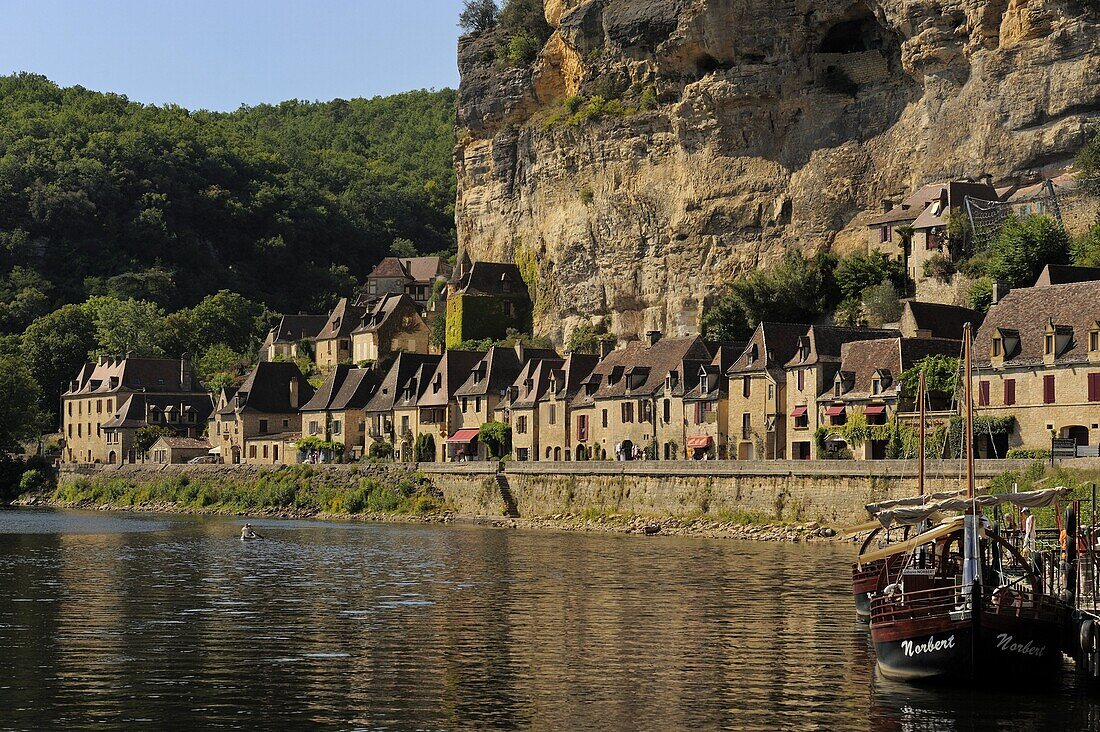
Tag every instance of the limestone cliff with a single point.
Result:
(743, 128)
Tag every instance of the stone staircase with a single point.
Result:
(506, 496)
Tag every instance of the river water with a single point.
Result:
(112, 620)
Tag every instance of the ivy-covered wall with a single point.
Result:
(474, 317)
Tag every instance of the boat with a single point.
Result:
(964, 603)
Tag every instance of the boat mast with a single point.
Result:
(969, 416)
(920, 442)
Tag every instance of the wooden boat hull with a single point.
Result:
(998, 647)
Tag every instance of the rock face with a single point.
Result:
(741, 129)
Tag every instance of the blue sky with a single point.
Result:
(219, 54)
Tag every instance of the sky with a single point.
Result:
(220, 54)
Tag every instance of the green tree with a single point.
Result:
(857, 272)
(135, 327)
(424, 448)
(219, 366)
(478, 16)
(20, 419)
(226, 319)
(146, 436)
(941, 374)
(586, 338)
(882, 305)
(403, 248)
(796, 290)
(497, 438)
(1088, 165)
(1026, 244)
(1086, 248)
(981, 294)
(54, 347)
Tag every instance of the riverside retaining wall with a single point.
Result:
(796, 491)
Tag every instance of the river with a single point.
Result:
(112, 620)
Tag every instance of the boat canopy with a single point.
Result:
(951, 525)
(915, 514)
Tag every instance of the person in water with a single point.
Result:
(248, 533)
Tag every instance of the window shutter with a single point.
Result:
(1010, 392)
(983, 394)
(1048, 389)
(1094, 387)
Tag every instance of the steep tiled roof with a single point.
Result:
(294, 328)
(449, 374)
(344, 318)
(133, 412)
(426, 269)
(389, 306)
(1063, 274)
(910, 207)
(185, 443)
(942, 321)
(111, 374)
(1028, 311)
(492, 278)
(571, 376)
(390, 267)
(267, 389)
(775, 344)
(533, 382)
(651, 364)
(825, 342)
(499, 368)
(344, 388)
(860, 360)
(415, 386)
(404, 366)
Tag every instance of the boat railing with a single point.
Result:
(1000, 600)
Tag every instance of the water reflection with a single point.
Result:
(448, 628)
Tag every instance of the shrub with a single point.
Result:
(882, 304)
(497, 438)
(1025, 246)
(380, 450)
(981, 295)
(940, 267)
(1020, 453)
(34, 481)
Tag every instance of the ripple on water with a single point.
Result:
(390, 626)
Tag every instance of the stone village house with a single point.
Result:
(393, 324)
(479, 395)
(390, 392)
(706, 406)
(810, 372)
(1037, 358)
(175, 450)
(282, 341)
(111, 399)
(254, 422)
(406, 411)
(869, 383)
(337, 410)
(520, 406)
(435, 413)
(758, 392)
(616, 411)
(332, 345)
(412, 276)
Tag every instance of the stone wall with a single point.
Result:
(789, 491)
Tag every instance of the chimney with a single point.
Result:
(651, 337)
(185, 372)
(520, 353)
(1000, 289)
(606, 347)
(294, 393)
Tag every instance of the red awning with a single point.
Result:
(701, 442)
(463, 437)
(835, 411)
(874, 409)
(799, 411)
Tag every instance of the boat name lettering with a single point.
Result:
(1005, 642)
(930, 645)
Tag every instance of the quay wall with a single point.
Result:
(831, 492)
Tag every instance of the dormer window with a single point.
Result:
(837, 388)
(754, 353)
(876, 385)
(1094, 341)
(1048, 347)
(998, 347)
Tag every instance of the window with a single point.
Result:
(477, 404)
(1049, 345)
(521, 425)
(252, 451)
(582, 427)
(263, 426)
(746, 426)
(404, 423)
(70, 409)
(265, 451)
(1010, 392)
(746, 386)
(1094, 340)
(627, 412)
(343, 345)
(551, 414)
(314, 428)
(336, 426)
(771, 391)
(667, 409)
(884, 234)
(1094, 387)
(1048, 389)
(698, 414)
(836, 389)
(465, 403)
(604, 416)
(99, 406)
(983, 393)
(801, 380)
(997, 347)
(645, 411)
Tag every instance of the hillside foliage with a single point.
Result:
(286, 204)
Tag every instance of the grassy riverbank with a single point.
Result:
(293, 490)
